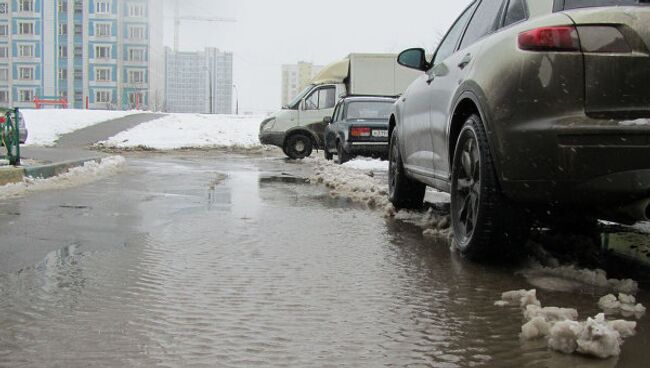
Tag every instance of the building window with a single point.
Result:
(103, 96)
(136, 98)
(63, 6)
(4, 52)
(136, 55)
(4, 96)
(63, 74)
(102, 52)
(136, 10)
(136, 32)
(78, 30)
(78, 7)
(26, 73)
(136, 76)
(26, 28)
(103, 30)
(4, 74)
(102, 7)
(78, 96)
(103, 74)
(63, 52)
(26, 5)
(4, 30)
(78, 74)
(26, 51)
(4, 8)
(78, 52)
(26, 95)
(63, 29)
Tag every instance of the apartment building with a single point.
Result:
(295, 77)
(199, 82)
(99, 53)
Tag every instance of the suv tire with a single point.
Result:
(403, 192)
(298, 146)
(483, 220)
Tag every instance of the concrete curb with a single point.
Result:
(16, 175)
(51, 170)
(11, 175)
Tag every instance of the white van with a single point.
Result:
(298, 128)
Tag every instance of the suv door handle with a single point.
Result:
(465, 62)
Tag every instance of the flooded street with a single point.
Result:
(213, 260)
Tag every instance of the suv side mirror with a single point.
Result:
(327, 120)
(414, 59)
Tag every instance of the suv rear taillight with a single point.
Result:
(561, 38)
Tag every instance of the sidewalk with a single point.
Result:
(72, 150)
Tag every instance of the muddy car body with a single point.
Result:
(542, 103)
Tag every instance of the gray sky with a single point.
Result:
(270, 33)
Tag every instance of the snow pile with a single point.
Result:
(546, 277)
(637, 122)
(562, 330)
(433, 224)
(625, 305)
(179, 131)
(46, 126)
(89, 172)
(357, 185)
(367, 164)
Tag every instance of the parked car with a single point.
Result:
(359, 126)
(528, 107)
(22, 127)
(298, 128)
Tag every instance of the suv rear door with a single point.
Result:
(615, 40)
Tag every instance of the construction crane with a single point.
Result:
(192, 18)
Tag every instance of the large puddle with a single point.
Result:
(236, 262)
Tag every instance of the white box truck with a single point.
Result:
(298, 128)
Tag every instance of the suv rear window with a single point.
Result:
(575, 4)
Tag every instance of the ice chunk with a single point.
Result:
(563, 336)
(535, 328)
(551, 314)
(599, 339)
(624, 304)
(522, 298)
(596, 278)
(624, 328)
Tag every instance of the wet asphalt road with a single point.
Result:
(213, 260)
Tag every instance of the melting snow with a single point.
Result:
(178, 131)
(637, 122)
(570, 277)
(46, 126)
(367, 164)
(625, 305)
(563, 332)
(91, 171)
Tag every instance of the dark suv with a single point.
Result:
(538, 105)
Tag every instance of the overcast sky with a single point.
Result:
(270, 33)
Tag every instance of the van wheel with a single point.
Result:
(298, 146)
(484, 222)
(343, 156)
(403, 192)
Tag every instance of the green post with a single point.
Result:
(16, 131)
(10, 135)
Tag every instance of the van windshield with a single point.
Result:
(293, 105)
(575, 4)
